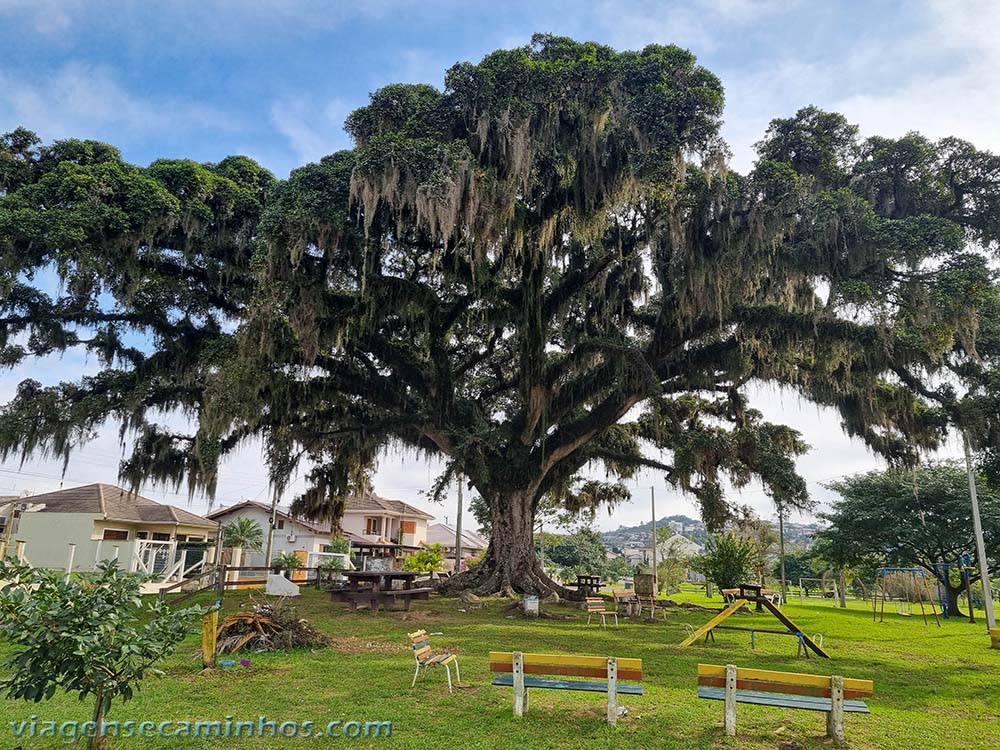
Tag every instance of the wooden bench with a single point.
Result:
(515, 666)
(833, 695)
(370, 598)
(596, 605)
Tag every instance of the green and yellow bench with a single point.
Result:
(812, 692)
(605, 672)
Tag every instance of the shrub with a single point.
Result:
(89, 635)
(426, 560)
(340, 544)
(729, 560)
(286, 561)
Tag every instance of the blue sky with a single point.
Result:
(274, 79)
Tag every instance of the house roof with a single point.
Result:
(441, 533)
(373, 503)
(315, 527)
(115, 504)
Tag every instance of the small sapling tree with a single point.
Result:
(91, 635)
(729, 559)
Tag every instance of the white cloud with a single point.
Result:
(312, 129)
(84, 100)
(699, 25)
(45, 17)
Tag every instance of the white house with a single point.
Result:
(291, 533)
(674, 546)
(443, 534)
(382, 521)
(100, 521)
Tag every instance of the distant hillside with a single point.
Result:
(796, 534)
(692, 528)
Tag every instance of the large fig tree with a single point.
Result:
(545, 267)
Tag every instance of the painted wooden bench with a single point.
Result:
(425, 657)
(515, 667)
(834, 695)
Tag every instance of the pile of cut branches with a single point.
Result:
(267, 626)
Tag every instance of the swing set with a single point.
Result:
(914, 585)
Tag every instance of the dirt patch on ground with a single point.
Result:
(349, 644)
(417, 616)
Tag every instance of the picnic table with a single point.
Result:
(588, 585)
(374, 588)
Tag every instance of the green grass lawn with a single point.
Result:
(935, 687)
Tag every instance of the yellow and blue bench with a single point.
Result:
(833, 695)
(606, 672)
(425, 657)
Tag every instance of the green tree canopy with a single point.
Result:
(911, 518)
(544, 266)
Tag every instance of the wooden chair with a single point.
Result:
(425, 657)
(834, 696)
(651, 603)
(514, 668)
(596, 606)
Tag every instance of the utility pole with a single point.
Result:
(458, 530)
(652, 505)
(781, 551)
(977, 525)
(270, 529)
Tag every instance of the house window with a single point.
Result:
(160, 537)
(325, 548)
(373, 526)
(409, 527)
(142, 535)
(281, 523)
(115, 534)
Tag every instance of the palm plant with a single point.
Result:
(244, 533)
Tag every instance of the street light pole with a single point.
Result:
(977, 525)
(652, 505)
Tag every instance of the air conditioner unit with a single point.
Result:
(290, 538)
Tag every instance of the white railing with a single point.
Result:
(153, 557)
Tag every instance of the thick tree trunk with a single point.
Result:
(510, 566)
(953, 593)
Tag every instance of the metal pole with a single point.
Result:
(69, 563)
(977, 525)
(458, 530)
(652, 506)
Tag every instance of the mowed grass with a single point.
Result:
(935, 687)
